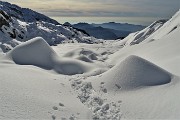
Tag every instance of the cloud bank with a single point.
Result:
(103, 8)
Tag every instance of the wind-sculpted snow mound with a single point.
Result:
(134, 73)
(33, 52)
(37, 52)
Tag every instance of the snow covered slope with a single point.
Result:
(93, 81)
(155, 31)
(140, 79)
(24, 14)
(167, 28)
(137, 37)
(20, 24)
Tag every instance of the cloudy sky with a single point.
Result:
(103, 8)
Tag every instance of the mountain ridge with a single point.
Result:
(21, 24)
(101, 31)
(25, 14)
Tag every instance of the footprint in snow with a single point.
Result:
(60, 104)
(55, 108)
(63, 119)
(53, 117)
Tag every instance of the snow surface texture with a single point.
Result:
(38, 53)
(100, 108)
(85, 55)
(94, 81)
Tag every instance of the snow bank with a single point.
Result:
(37, 52)
(134, 73)
(33, 52)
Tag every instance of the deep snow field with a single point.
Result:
(134, 78)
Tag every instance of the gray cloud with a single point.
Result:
(103, 8)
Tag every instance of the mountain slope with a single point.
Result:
(24, 14)
(20, 24)
(97, 32)
(167, 28)
(155, 31)
(136, 38)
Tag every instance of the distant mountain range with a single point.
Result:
(107, 31)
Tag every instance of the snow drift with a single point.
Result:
(134, 73)
(38, 53)
(33, 52)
